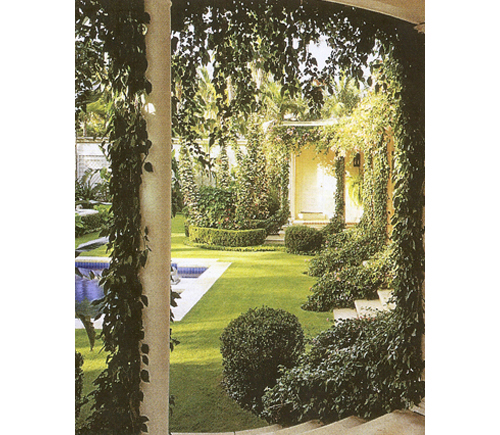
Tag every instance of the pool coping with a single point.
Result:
(191, 291)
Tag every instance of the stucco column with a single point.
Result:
(293, 187)
(156, 216)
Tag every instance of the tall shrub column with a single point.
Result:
(156, 218)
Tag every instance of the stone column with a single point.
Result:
(156, 216)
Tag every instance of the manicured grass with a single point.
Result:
(93, 364)
(275, 279)
(99, 252)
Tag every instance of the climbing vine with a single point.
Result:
(121, 29)
(339, 215)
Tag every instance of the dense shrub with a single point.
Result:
(339, 289)
(87, 189)
(88, 223)
(300, 239)
(79, 400)
(79, 225)
(335, 226)
(355, 368)
(348, 248)
(253, 347)
(275, 222)
(93, 222)
(220, 237)
(216, 207)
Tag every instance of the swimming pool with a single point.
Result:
(87, 289)
(198, 275)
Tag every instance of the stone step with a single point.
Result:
(337, 428)
(368, 308)
(395, 423)
(420, 408)
(385, 296)
(299, 428)
(260, 430)
(344, 313)
(275, 239)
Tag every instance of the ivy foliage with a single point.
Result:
(119, 29)
(340, 288)
(354, 368)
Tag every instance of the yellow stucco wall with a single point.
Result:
(313, 179)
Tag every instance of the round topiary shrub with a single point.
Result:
(253, 347)
(302, 239)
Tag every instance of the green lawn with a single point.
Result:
(99, 252)
(254, 279)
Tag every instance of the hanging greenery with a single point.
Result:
(223, 175)
(339, 215)
(189, 187)
(121, 29)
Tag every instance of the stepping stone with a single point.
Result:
(385, 295)
(344, 313)
(366, 308)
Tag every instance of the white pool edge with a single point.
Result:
(191, 291)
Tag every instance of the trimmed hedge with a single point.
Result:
(300, 239)
(234, 238)
(260, 248)
(87, 223)
(254, 347)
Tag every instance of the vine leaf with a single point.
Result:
(148, 167)
(144, 375)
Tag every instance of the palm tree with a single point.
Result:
(345, 97)
(206, 97)
(278, 105)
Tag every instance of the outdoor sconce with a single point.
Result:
(357, 161)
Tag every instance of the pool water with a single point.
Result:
(88, 290)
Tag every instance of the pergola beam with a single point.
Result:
(412, 11)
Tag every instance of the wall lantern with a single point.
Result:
(357, 161)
